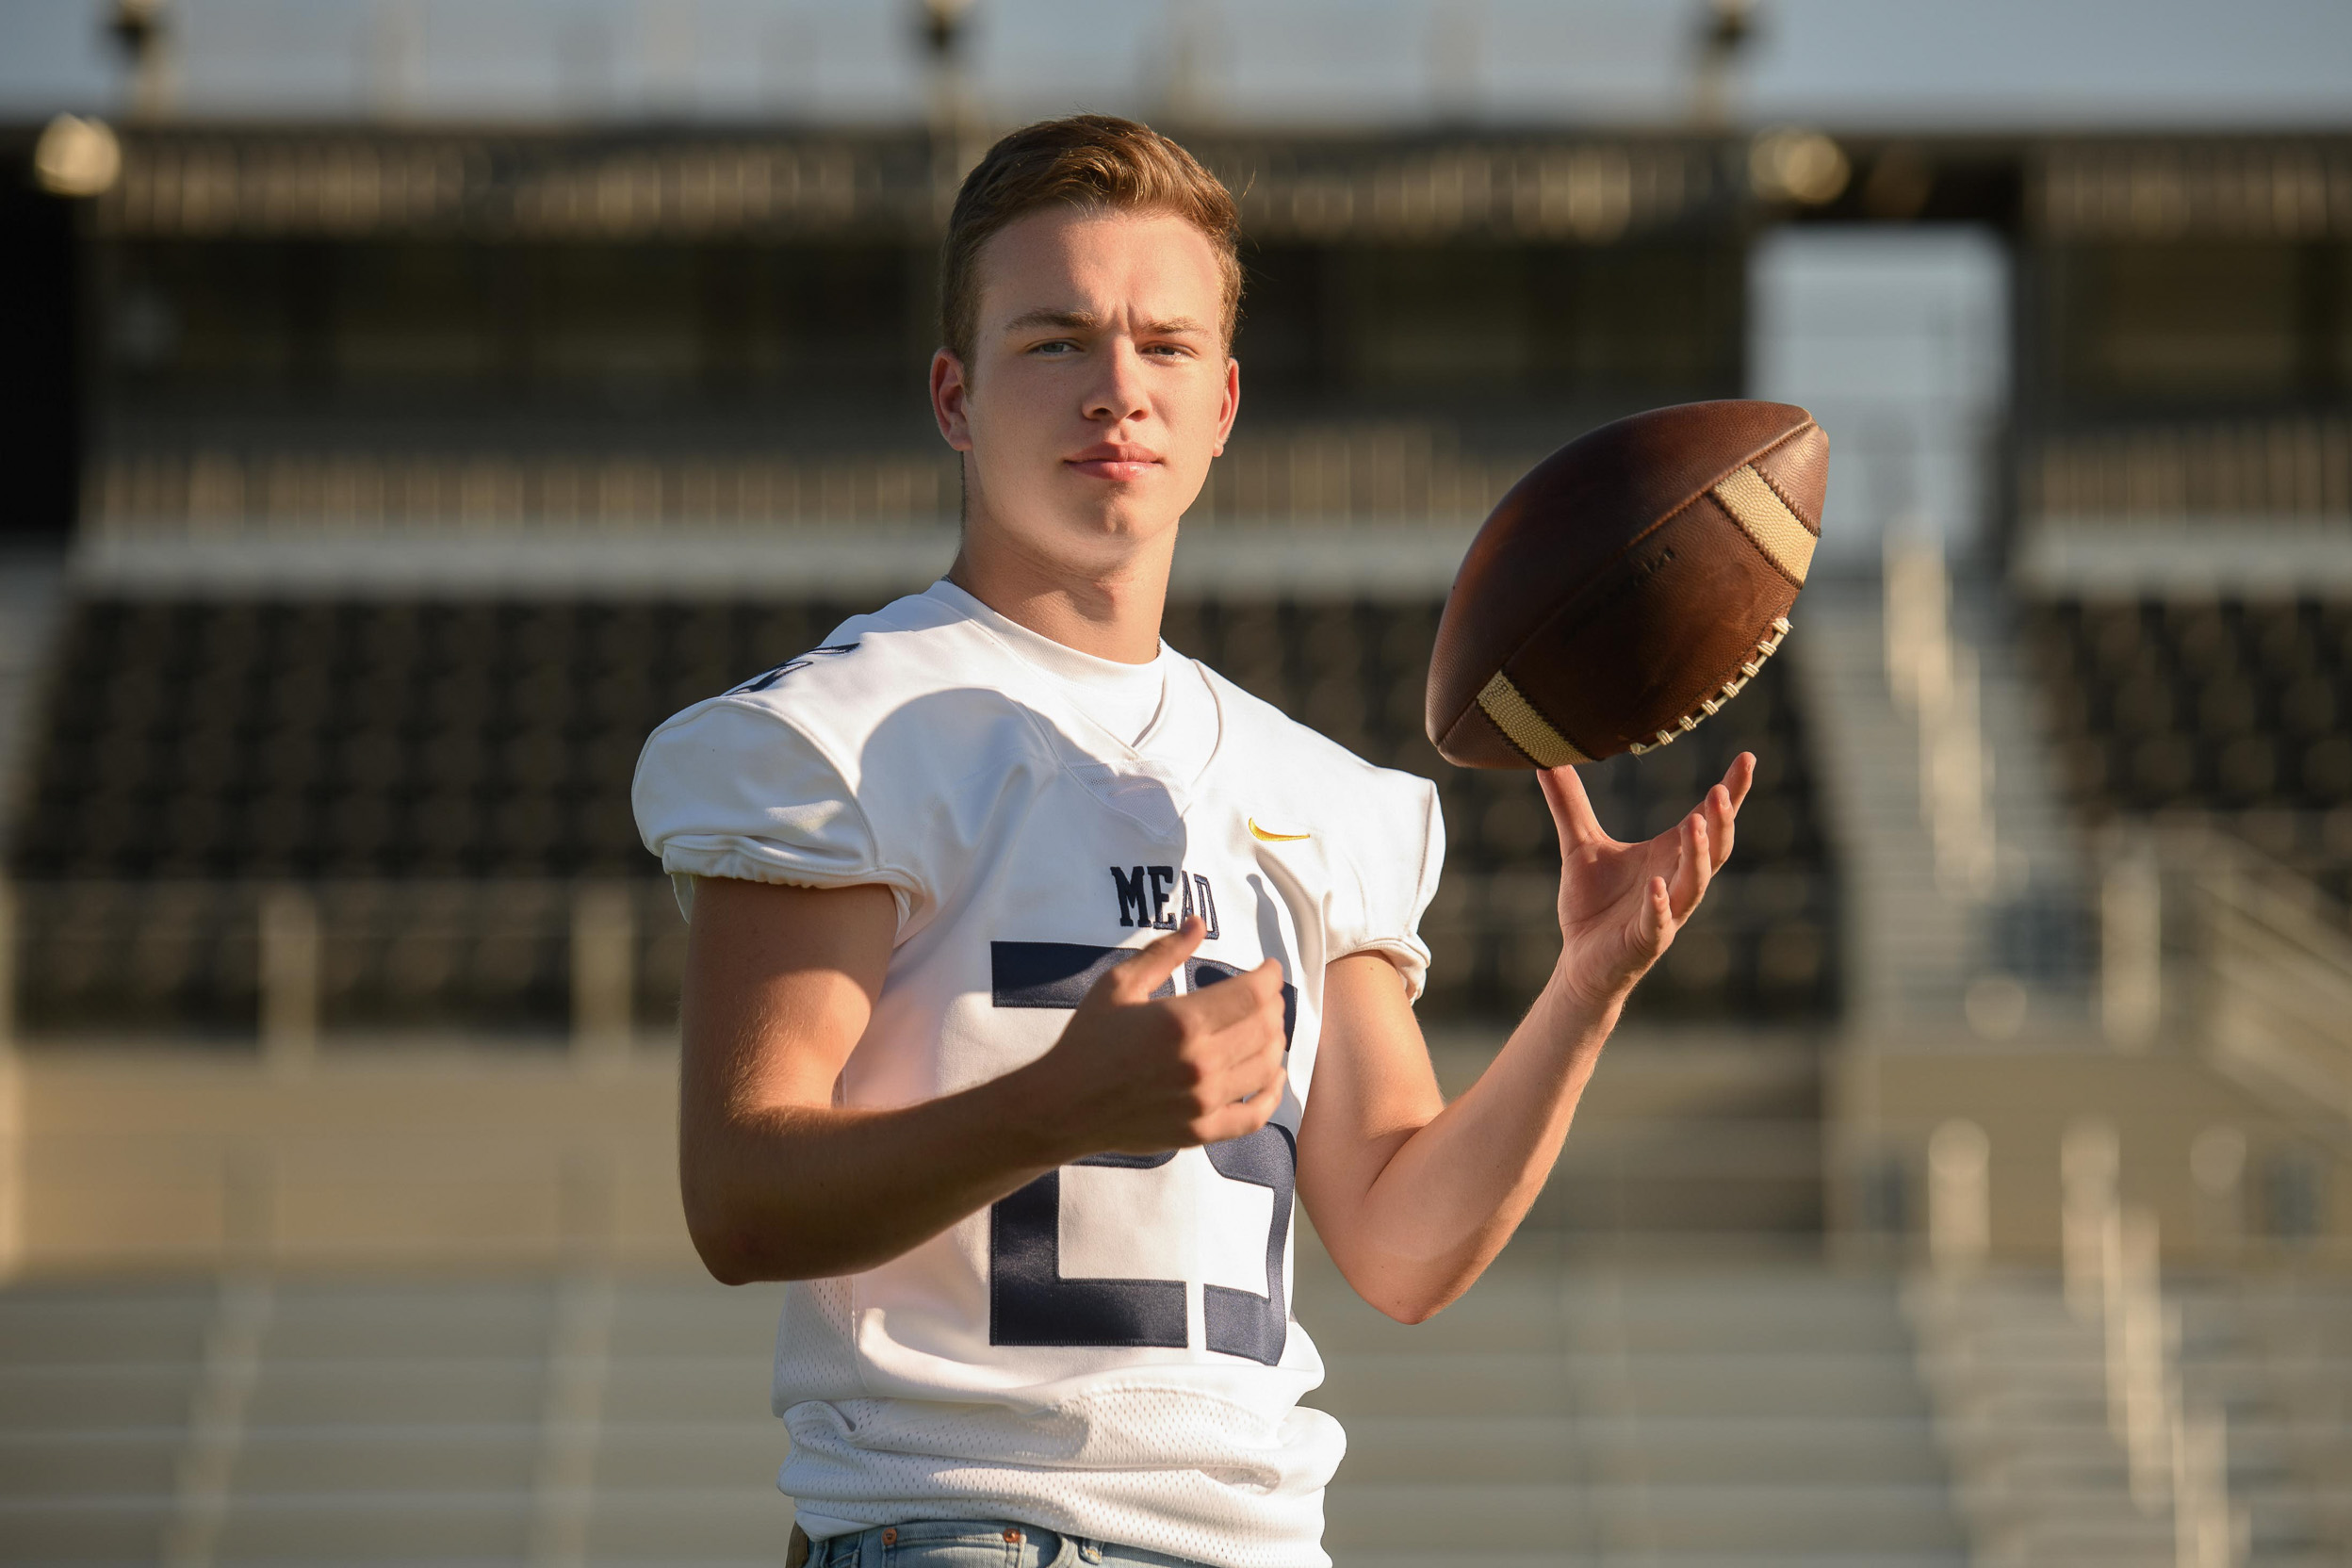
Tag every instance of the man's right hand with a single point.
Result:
(1139, 1075)
(782, 1183)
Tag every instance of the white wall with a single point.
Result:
(1900, 63)
(1897, 341)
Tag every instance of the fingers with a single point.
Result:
(1260, 1085)
(1142, 974)
(1722, 814)
(1218, 1008)
(1657, 916)
(1571, 808)
(1693, 867)
(1739, 776)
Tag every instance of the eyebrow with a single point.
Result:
(1082, 320)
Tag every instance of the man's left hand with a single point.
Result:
(1621, 903)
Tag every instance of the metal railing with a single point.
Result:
(2289, 470)
(2279, 981)
(2175, 1448)
(2208, 941)
(599, 961)
(289, 965)
(1403, 471)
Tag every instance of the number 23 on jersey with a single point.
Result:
(1030, 1302)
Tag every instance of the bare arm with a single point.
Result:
(782, 1183)
(1414, 1197)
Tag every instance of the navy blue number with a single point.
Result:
(1029, 1302)
(1241, 1322)
(762, 682)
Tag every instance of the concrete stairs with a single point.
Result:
(1590, 1401)
(2019, 1384)
(1911, 946)
(1918, 946)
(1682, 1133)
(1584, 1405)
(384, 1421)
(1662, 1367)
(2274, 1353)
(2020, 1387)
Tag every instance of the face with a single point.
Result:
(1099, 387)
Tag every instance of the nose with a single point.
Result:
(1117, 394)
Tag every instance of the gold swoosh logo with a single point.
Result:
(1257, 832)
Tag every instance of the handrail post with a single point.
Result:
(604, 961)
(289, 979)
(1959, 1196)
(2217, 1169)
(2088, 1157)
(2131, 950)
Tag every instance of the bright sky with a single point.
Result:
(2137, 64)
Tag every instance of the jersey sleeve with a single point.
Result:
(1395, 888)
(733, 790)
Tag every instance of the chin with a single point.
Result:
(1124, 516)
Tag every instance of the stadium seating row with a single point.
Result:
(193, 751)
(2219, 707)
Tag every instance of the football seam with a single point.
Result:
(1720, 692)
(1770, 483)
(1472, 705)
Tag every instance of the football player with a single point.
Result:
(1037, 971)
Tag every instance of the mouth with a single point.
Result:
(1119, 464)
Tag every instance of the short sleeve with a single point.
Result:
(1394, 890)
(732, 789)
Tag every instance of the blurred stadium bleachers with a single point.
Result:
(421, 468)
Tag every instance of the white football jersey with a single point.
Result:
(1110, 1351)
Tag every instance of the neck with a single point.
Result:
(1111, 612)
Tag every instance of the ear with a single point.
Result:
(1230, 408)
(951, 393)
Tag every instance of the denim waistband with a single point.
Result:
(979, 1543)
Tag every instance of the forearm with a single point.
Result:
(1452, 1191)
(796, 1192)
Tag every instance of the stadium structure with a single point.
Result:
(1973, 1182)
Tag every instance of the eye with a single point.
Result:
(1056, 348)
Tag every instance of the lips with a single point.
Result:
(1110, 461)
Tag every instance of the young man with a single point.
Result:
(1019, 940)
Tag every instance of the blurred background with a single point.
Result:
(406, 405)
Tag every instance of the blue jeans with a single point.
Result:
(978, 1543)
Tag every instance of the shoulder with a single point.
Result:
(1307, 772)
(910, 680)
(1377, 832)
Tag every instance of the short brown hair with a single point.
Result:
(1084, 161)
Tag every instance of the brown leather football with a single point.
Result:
(1628, 586)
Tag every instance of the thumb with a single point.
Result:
(1142, 974)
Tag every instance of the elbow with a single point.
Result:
(726, 1266)
(727, 1244)
(722, 1252)
(1413, 1296)
(1412, 1312)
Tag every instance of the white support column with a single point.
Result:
(2132, 950)
(571, 1421)
(604, 963)
(2089, 1158)
(2146, 1334)
(2217, 1167)
(216, 1426)
(1959, 1197)
(289, 979)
